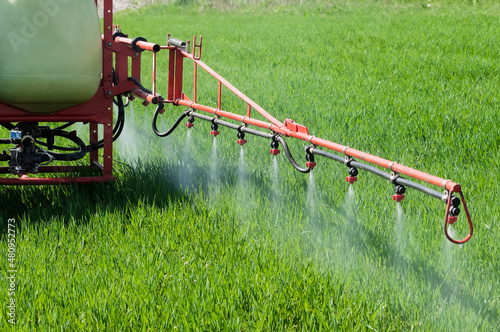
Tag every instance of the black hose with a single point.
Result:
(376, 171)
(6, 141)
(7, 125)
(70, 156)
(136, 82)
(290, 157)
(257, 133)
(117, 130)
(174, 126)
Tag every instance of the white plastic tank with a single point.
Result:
(50, 53)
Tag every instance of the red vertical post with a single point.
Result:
(107, 107)
(94, 137)
(171, 74)
(195, 73)
(121, 66)
(179, 62)
(219, 96)
(108, 146)
(107, 60)
(195, 80)
(136, 66)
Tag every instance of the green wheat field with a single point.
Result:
(199, 234)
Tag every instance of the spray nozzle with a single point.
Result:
(400, 190)
(190, 123)
(310, 160)
(215, 128)
(274, 146)
(241, 138)
(353, 172)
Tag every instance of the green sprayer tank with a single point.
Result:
(50, 53)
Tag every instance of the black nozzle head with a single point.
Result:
(191, 119)
(400, 189)
(454, 211)
(274, 144)
(215, 126)
(241, 135)
(353, 171)
(455, 201)
(310, 157)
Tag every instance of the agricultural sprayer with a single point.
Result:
(58, 68)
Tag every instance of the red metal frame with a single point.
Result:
(97, 111)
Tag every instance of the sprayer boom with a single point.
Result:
(33, 147)
(277, 132)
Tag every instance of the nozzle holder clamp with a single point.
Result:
(394, 177)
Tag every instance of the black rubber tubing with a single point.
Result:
(290, 157)
(174, 126)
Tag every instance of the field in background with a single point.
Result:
(195, 239)
(289, 4)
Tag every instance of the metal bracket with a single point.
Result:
(394, 176)
(446, 196)
(348, 160)
(307, 148)
(197, 46)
